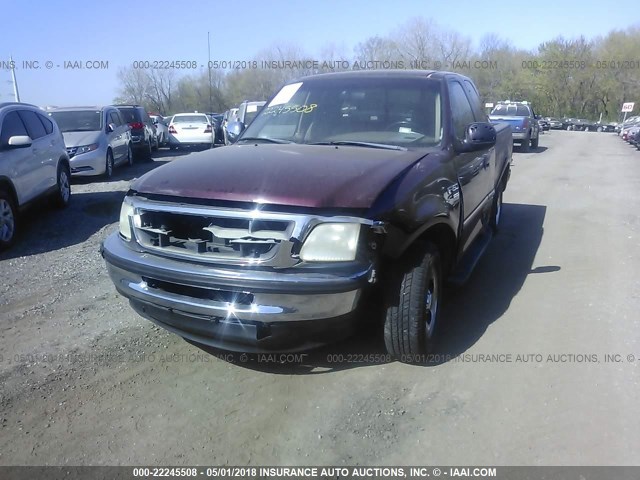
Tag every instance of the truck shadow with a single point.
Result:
(466, 312)
(539, 149)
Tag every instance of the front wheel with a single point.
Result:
(496, 212)
(8, 220)
(108, 167)
(411, 322)
(62, 197)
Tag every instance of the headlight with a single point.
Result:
(126, 212)
(87, 148)
(331, 242)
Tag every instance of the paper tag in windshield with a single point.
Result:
(284, 95)
(252, 108)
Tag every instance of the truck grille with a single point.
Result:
(214, 237)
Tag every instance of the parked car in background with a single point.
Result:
(636, 140)
(191, 130)
(143, 131)
(604, 127)
(217, 120)
(583, 125)
(554, 123)
(162, 130)
(229, 116)
(524, 125)
(627, 124)
(247, 111)
(545, 126)
(347, 186)
(33, 164)
(97, 139)
(631, 134)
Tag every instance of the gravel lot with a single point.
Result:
(85, 381)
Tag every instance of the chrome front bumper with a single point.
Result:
(259, 310)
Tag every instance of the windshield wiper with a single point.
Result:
(351, 143)
(264, 139)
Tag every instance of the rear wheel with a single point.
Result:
(525, 144)
(534, 142)
(129, 156)
(8, 220)
(62, 197)
(148, 151)
(411, 322)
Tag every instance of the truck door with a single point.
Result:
(474, 169)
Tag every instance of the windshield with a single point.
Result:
(387, 111)
(512, 110)
(78, 120)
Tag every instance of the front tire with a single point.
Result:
(62, 197)
(8, 220)
(411, 323)
(108, 167)
(496, 212)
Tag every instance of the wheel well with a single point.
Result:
(445, 241)
(7, 186)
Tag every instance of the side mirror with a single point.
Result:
(478, 136)
(19, 141)
(155, 122)
(234, 129)
(111, 127)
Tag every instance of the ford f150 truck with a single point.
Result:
(345, 184)
(521, 117)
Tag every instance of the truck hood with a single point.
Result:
(80, 139)
(317, 176)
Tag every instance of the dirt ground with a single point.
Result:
(522, 376)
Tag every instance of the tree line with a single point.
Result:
(576, 77)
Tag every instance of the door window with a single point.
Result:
(34, 126)
(11, 127)
(461, 110)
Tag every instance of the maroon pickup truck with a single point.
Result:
(343, 184)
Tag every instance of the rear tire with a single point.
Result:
(534, 142)
(411, 323)
(62, 197)
(148, 152)
(525, 145)
(8, 220)
(129, 156)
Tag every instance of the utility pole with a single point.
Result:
(209, 70)
(16, 94)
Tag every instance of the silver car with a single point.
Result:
(97, 139)
(33, 163)
(162, 129)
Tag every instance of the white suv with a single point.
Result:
(33, 163)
